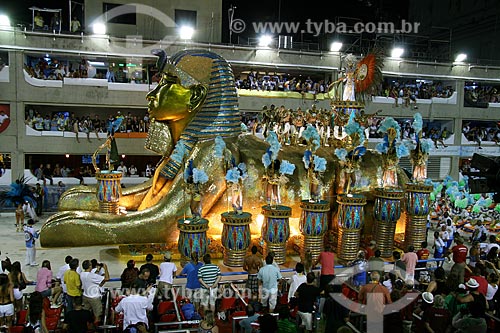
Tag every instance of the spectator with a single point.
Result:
(327, 260)
(192, 282)
(376, 263)
(252, 316)
(75, 24)
(297, 279)
(129, 275)
(410, 258)
(135, 306)
(44, 281)
(209, 276)
(307, 295)
(73, 284)
(55, 23)
(78, 320)
(39, 21)
(251, 264)
(269, 276)
(167, 272)
(379, 296)
(91, 285)
(153, 269)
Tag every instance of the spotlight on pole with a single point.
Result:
(461, 57)
(4, 21)
(265, 40)
(397, 52)
(186, 32)
(336, 46)
(99, 28)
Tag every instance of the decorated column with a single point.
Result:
(192, 237)
(350, 219)
(387, 211)
(313, 225)
(108, 190)
(235, 237)
(276, 230)
(417, 207)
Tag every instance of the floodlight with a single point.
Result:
(99, 28)
(397, 52)
(336, 46)
(4, 21)
(265, 40)
(461, 57)
(186, 32)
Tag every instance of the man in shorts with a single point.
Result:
(209, 276)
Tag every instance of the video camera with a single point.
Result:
(487, 179)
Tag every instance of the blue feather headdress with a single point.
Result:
(199, 176)
(287, 168)
(220, 145)
(319, 164)
(266, 158)
(389, 123)
(180, 151)
(233, 175)
(272, 139)
(353, 127)
(311, 135)
(341, 154)
(18, 193)
(417, 123)
(188, 173)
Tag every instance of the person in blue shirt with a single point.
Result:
(192, 282)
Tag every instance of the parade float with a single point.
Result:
(252, 191)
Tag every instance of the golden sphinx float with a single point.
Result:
(195, 105)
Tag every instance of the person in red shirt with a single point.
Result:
(422, 254)
(483, 283)
(327, 261)
(370, 250)
(459, 252)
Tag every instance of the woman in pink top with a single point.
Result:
(327, 261)
(44, 284)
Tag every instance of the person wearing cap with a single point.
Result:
(474, 298)
(459, 252)
(167, 270)
(154, 271)
(30, 236)
(370, 249)
(307, 295)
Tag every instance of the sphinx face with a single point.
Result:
(169, 100)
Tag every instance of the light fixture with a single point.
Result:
(336, 46)
(123, 155)
(461, 57)
(186, 32)
(67, 155)
(4, 21)
(99, 28)
(397, 52)
(265, 40)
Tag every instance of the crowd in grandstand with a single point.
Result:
(481, 94)
(64, 121)
(479, 132)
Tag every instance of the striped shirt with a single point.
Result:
(208, 273)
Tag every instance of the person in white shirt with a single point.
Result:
(135, 306)
(491, 244)
(122, 168)
(166, 279)
(297, 279)
(60, 274)
(91, 285)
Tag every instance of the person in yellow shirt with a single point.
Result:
(73, 284)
